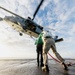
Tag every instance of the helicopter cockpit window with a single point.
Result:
(31, 27)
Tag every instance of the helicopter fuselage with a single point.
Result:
(26, 26)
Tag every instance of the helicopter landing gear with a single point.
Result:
(20, 34)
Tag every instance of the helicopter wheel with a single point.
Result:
(20, 34)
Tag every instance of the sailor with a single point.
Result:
(49, 42)
(39, 46)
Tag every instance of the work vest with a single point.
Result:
(39, 39)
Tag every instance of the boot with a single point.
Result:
(41, 65)
(45, 68)
(65, 66)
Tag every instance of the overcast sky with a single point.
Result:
(56, 14)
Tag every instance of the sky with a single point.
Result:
(55, 14)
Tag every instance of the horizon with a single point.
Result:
(56, 14)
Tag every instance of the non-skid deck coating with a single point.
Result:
(29, 67)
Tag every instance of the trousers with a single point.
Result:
(39, 54)
(47, 44)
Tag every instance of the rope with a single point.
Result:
(54, 58)
(69, 64)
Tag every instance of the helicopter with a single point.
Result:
(22, 25)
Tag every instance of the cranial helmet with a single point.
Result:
(47, 33)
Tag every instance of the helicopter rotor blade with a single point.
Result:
(37, 9)
(11, 12)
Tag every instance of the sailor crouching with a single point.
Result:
(49, 42)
